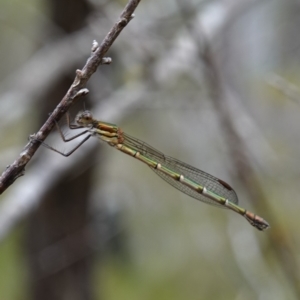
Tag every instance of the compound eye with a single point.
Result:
(87, 117)
(84, 118)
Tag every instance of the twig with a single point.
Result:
(16, 169)
(22, 201)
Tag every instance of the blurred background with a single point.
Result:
(212, 83)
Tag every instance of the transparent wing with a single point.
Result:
(202, 178)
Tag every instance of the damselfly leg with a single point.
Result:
(186, 178)
(72, 127)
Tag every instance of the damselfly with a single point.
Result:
(189, 180)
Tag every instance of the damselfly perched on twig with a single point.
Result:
(186, 178)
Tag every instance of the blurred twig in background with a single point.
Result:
(280, 242)
(171, 85)
(288, 89)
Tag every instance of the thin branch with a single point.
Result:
(22, 200)
(16, 169)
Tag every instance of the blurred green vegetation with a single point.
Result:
(173, 247)
(13, 268)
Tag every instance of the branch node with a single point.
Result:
(79, 75)
(131, 17)
(95, 46)
(24, 158)
(82, 92)
(33, 138)
(106, 61)
(123, 22)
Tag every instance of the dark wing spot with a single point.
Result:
(225, 184)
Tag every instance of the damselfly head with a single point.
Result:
(84, 118)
